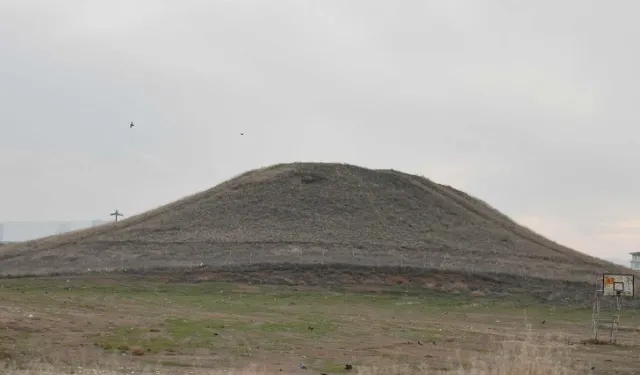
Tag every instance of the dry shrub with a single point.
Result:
(430, 285)
(137, 351)
(456, 287)
(534, 355)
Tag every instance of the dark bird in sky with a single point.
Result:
(241, 133)
(131, 125)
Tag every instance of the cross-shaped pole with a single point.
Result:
(116, 213)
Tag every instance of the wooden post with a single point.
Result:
(116, 213)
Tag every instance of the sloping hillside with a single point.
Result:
(313, 213)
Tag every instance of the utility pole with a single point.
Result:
(116, 213)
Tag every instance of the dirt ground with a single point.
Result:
(83, 322)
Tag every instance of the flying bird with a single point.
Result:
(131, 125)
(241, 133)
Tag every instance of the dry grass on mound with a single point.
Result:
(532, 356)
(314, 213)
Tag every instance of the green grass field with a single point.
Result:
(87, 322)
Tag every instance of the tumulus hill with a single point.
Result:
(314, 213)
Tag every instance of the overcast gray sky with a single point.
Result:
(530, 105)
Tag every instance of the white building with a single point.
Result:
(635, 261)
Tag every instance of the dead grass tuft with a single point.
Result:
(523, 358)
(137, 351)
(457, 287)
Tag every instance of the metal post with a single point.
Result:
(616, 320)
(595, 316)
